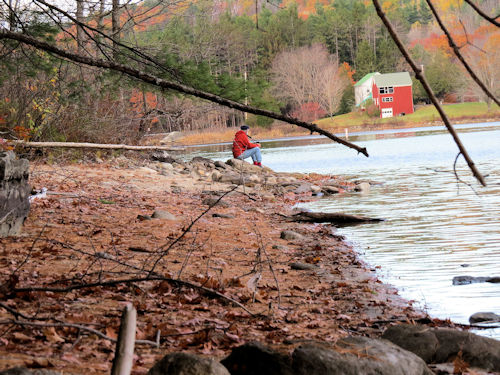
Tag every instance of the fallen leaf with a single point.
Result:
(51, 335)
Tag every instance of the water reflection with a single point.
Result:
(434, 229)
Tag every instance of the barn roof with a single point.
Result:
(365, 78)
(393, 79)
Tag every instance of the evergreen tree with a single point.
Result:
(365, 60)
(425, 13)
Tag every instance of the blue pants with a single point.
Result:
(254, 153)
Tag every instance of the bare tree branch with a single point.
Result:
(153, 80)
(428, 89)
(482, 14)
(456, 50)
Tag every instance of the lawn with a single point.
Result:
(422, 115)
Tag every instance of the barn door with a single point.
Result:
(386, 112)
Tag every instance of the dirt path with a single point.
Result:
(96, 228)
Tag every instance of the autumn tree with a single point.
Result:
(485, 63)
(309, 74)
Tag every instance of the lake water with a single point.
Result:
(435, 229)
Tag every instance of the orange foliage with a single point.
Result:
(349, 71)
(140, 101)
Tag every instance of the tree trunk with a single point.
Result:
(79, 29)
(115, 26)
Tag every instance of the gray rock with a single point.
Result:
(223, 216)
(302, 266)
(243, 166)
(363, 187)
(201, 160)
(187, 364)
(162, 214)
(484, 317)
(221, 165)
(253, 178)
(303, 188)
(328, 189)
(478, 351)
(162, 156)
(464, 280)
(29, 371)
(315, 189)
(362, 356)
(256, 359)
(271, 180)
(231, 178)
(291, 235)
(212, 201)
(216, 175)
(417, 339)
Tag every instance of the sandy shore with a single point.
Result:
(95, 228)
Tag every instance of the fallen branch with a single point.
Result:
(334, 218)
(95, 145)
(207, 291)
(71, 325)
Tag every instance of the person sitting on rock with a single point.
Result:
(243, 148)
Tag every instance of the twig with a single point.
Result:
(71, 325)
(458, 179)
(30, 250)
(263, 247)
(428, 90)
(164, 252)
(207, 291)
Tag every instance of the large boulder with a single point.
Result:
(291, 235)
(483, 317)
(243, 166)
(477, 351)
(358, 355)
(187, 364)
(417, 339)
(256, 359)
(14, 193)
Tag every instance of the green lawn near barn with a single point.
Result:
(423, 115)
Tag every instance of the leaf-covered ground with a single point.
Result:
(93, 229)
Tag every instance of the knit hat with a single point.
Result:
(244, 127)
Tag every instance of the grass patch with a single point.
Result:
(423, 115)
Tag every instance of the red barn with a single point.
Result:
(392, 94)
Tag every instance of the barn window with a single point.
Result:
(387, 99)
(386, 90)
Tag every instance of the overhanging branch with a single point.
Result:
(456, 50)
(428, 90)
(158, 82)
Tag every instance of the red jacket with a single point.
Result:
(241, 143)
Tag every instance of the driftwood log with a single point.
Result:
(95, 146)
(334, 218)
